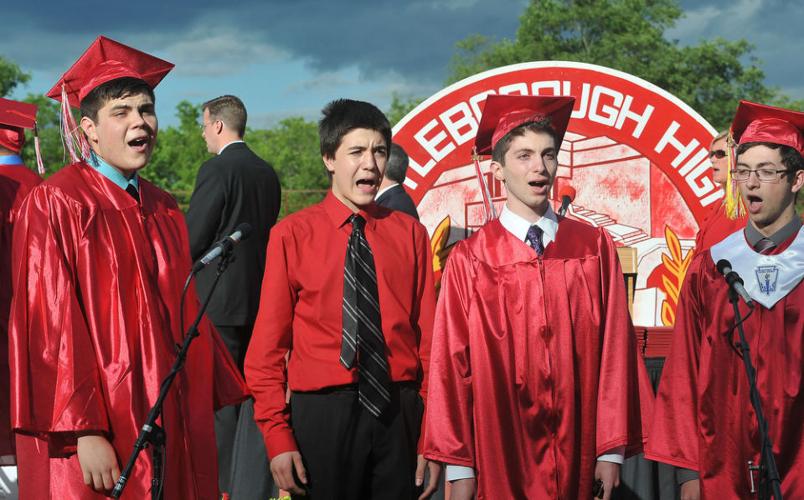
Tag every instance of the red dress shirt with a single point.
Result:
(301, 308)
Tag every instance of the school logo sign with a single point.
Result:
(636, 156)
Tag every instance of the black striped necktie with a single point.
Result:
(130, 189)
(362, 329)
(764, 246)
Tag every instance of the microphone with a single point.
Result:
(566, 194)
(734, 281)
(240, 233)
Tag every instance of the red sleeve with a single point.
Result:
(674, 429)
(449, 433)
(265, 364)
(425, 311)
(55, 383)
(624, 391)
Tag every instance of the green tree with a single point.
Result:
(292, 148)
(629, 35)
(10, 76)
(48, 128)
(179, 153)
(401, 106)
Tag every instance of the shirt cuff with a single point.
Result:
(456, 472)
(683, 475)
(615, 456)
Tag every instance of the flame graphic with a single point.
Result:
(440, 249)
(673, 270)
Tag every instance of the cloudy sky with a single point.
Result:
(289, 57)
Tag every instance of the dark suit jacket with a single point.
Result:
(396, 198)
(234, 187)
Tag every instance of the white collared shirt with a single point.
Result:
(229, 144)
(518, 225)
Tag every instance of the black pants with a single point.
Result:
(350, 454)
(242, 462)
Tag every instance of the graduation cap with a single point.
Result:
(16, 116)
(503, 113)
(105, 60)
(755, 122)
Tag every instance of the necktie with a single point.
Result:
(534, 239)
(363, 340)
(130, 189)
(764, 246)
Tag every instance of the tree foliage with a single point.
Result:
(629, 35)
(11, 76)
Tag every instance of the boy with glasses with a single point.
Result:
(703, 417)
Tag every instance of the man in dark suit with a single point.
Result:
(233, 187)
(391, 193)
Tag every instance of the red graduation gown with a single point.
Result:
(94, 324)
(15, 182)
(534, 369)
(703, 417)
(716, 227)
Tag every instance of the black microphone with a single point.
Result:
(240, 233)
(734, 281)
(567, 195)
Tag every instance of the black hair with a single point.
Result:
(230, 110)
(341, 116)
(397, 167)
(504, 144)
(113, 89)
(791, 158)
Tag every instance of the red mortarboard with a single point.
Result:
(106, 60)
(503, 113)
(15, 116)
(759, 123)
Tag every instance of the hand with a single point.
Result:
(435, 473)
(98, 462)
(282, 468)
(462, 489)
(609, 473)
(691, 490)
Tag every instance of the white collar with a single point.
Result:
(518, 225)
(229, 144)
(381, 191)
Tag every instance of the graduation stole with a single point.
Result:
(768, 278)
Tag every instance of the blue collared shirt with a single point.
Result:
(10, 160)
(112, 173)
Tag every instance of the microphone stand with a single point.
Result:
(769, 480)
(151, 434)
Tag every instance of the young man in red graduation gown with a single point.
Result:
(724, 218)
(703, 417)
(534, 373)
(15, 181)
(100, 258)
(348, 294)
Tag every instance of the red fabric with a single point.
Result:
(503, 113)
(703, 417)
(716, 227)
(15, 183)
(106, 60)
(301, 308)
(760, 123)
(534, 371)
(12, 138)
(94, 324)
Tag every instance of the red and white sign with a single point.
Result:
(636, 155)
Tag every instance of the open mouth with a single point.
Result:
(539, 186)
(139, 144)
(366, 185)
(754, 203)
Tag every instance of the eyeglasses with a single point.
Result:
(717, 153)
(763, 174)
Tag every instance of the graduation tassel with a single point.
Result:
(488, 206)
(72, 138)
(40, 166)
(734, 204)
